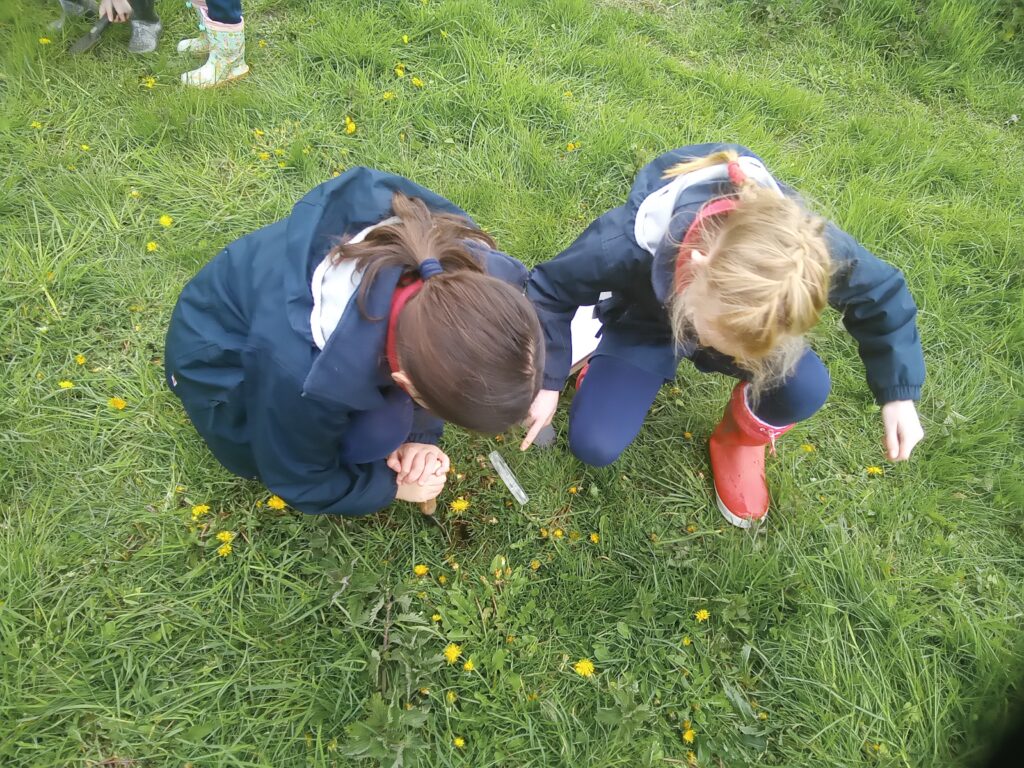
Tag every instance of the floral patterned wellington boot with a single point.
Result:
(201, 44)
(227, 55)
(737, 460)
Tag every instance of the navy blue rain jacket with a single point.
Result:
(241, 357)
(877, 309)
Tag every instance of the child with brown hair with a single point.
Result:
(712, 259)
(321, 353)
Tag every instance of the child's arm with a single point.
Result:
(295, 442)
(879, 312)
(603, 258)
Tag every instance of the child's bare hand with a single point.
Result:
(118, 11)
(419, 463)
(419, 493)
(902, 429)
(542, 411)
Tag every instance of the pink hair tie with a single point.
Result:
(736, 173)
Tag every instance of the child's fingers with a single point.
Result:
(535, 429)
(446, 464)
(395, 463)
(892, 441)
(416, 467)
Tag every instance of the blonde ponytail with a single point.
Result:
(721, 157)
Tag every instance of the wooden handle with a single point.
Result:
(428, 507)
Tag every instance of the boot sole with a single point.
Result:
(739, 522)
(237, 75)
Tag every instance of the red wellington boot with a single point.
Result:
(737, 460)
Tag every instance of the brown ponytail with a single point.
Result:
(470, 343)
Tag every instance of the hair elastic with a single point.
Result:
(429, 268)
(736, 173)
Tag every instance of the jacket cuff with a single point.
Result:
(902, 392)
(429, 438)
(552, 382)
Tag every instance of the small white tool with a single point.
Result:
(507, 477)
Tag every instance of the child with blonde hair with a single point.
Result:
(712, 259)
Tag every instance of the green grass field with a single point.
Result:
(873, 621)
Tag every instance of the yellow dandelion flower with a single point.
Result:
(225, 537)
(460, 505)
(148, 82)
(388, 95)
(65, 384)
(451, 697)
(84, 147)
(689, 736)
(567, 94)
(572, 146)
(691, 528)
(444, 34)
(224, 549)
(199, 510)
(276, 502)
(420, 570)
(262, 43)
(421, 595)
(400, 70)
(135, 194)
(558, 533)
(594, 538)
(279, 152)
(459, 742)
(350, 125)
(416, 82)
(442, 579)
(151, 246)
(452, 651)
(574, 490)
(166, 221)
(543, 533)
(532, 696)
(691, 758)
(762, 715)
(424, 691)
(80, 359)
(117, 403)
(258, 133)
(702, 615)
(584, 668)
(687, 641)
(405, 39)
(875, 471)
(45, 41)
(435, 618)
(469, 666)
(688, 435)
(282, 164)
(36, 124)
(263, 155)
(535, 565)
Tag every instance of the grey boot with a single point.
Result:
(74, 8)
(145, 35)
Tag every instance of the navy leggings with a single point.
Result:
(225, 11)
(615, 396)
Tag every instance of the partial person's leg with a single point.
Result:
(146, 27)
(225, 39)
(609, 409)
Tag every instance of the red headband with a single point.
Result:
(407, 288)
